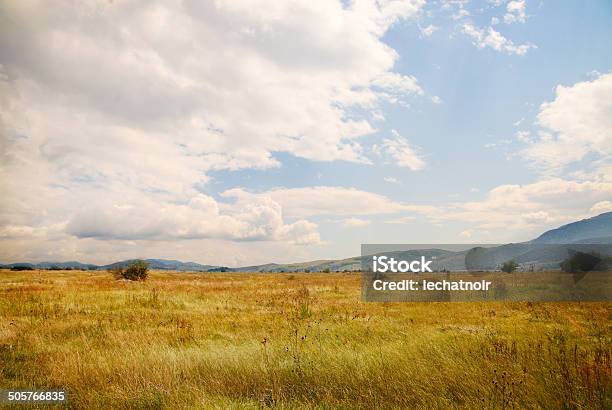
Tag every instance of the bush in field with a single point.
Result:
(136, 270)
(582, 262)
(21, 267)
(509, 266)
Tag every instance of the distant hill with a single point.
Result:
(52, 265)
(158, 264)
(548, 250)
(544, 252)
(592, 230)
(164, 264)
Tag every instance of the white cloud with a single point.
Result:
(593, 74)
(576, 123)
(467, 233)
(598, 170)
(201, 217)
(391, 180)
(402, 153)
(601, 207)
(328, 200)
(24, 231)
(355, 222)
(392, 87)
(302, 64)
(428, 30)
(490, 38)
(122, 103)
(436, 100)
(515, 12)
(461, 13)
(544, 203)
(523, 136)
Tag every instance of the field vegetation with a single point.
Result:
(218, 340)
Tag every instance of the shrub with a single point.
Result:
(582, 262)
(136, 270)
(509, 266)
(21, 267)
(219, 269)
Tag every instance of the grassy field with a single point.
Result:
(292, 341)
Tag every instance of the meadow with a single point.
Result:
(229, 340)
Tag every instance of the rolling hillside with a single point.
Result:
(592, 230)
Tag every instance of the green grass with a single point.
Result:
(292, 341)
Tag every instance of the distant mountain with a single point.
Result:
(311, 266)
(52, 265)
(544, 252)
(164, 264)
(443, 259)
(529, 256)
(158, 264)
(592, 230)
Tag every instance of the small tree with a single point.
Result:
(582, 262)
(509, 266)
(136, 270)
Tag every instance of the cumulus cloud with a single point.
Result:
(23, 231)
(601, 207)
(515, 12)
(576, 123)
(398, 83)
(133, 104)
(277, 77)
(201, 217)
(329, 200)
(514, 209)
(494, 39)
(402, 153)
(544, 203)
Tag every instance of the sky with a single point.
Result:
(238, 132)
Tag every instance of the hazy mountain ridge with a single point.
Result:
(597, 229)
(546, 251)
(159, 264)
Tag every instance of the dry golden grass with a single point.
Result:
(292, 341)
